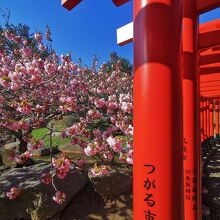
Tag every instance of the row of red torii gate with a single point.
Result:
(176, 103)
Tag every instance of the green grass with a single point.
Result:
(56, 141)
(39, 133)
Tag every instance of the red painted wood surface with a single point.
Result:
(210, 88)
(210, 84)
(211, 94)
(158, 108)
(191, 110)
(120, 2)
(211, 119)
(210, 77)
(207, 5)
(202, 135)
(205, 118)
(209, 25)
(70, 4)
(217, 119)
(210, 58)
(210, 69)
(208, 118)
(209, 39)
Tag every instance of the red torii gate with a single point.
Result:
(167, 102)
(210, 78)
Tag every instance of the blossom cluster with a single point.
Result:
(62, 166)
(20, 159)
(100, 170)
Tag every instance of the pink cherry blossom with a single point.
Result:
(81, 162)
(62, 165)
(109, 156)
(13, 193)
(1, 99)
(8, 35)
(129, 160)
(100, 170)
(96, 132)
(37, 144)
(46, 178)
(20, 158)
(26, 51)
(59, 197)
(100, 103)
(38, 37)
(72, 130)
(90, 150)
(111, 141)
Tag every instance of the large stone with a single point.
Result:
(69, 148)
(45, 151)
(11, 146)
(5, 138)
(115, 183)
(35, 201)
(66, 121)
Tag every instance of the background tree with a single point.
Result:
(125, 64)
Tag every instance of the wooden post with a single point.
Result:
(211, 118)
(158, 133)
(205, 117)
(217, 119)
(202, 137)
(208, 118)
(191, 101)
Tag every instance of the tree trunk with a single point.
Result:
(22, 146)
(1, 161)
(22, 149)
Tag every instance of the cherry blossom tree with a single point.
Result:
(35, 84)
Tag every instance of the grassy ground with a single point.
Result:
(56, 140)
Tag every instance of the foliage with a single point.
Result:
(126, 66)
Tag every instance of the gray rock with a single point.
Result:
(5, 138)
(45, 151)
(66, 121)
(116, 183)
(11, 146)
(70, 148)
(35, 201)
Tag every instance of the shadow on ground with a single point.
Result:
(88, 205)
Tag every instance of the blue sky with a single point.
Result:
(87, 30)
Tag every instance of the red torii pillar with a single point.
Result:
(208, 118)
(205, 117)
(158, 130)
(202, 134)
(217, 119)
(211, 118)
(191, 110)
